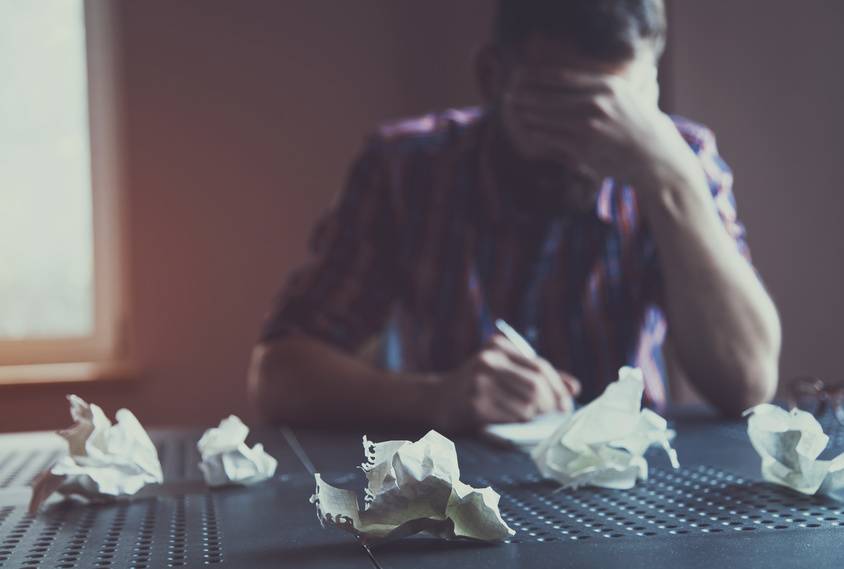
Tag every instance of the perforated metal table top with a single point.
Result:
(712, 512)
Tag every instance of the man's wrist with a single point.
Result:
(661, 183)
(667, 160)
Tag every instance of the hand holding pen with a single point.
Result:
(505, 382)
(521, 344)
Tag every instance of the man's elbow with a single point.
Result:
(761, 388)
(756, 370)
(271, 385)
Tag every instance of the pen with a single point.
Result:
(515, 338)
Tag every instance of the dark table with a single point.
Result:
(713, 512)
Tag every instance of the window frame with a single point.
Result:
(107, 342)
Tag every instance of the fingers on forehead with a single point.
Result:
(560, 78)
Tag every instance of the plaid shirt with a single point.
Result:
(426, 246)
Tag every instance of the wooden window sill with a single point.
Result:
(74, 372)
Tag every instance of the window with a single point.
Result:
(59, 183)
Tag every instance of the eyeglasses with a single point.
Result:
(817, 396)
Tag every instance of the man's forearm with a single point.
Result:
(723, 323)
(301, 380)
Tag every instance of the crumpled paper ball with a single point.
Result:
(412, 487)
(790, 443)
(603, 443)
(226, 458)
(104, 460)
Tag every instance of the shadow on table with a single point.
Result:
(421, 544)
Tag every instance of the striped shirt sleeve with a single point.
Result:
(344, 293)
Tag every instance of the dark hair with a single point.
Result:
(604, 29)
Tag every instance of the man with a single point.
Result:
(569, 205)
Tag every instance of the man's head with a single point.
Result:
(604, 30)
(609, 37)
(591, 35)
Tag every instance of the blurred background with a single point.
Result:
(237, 121)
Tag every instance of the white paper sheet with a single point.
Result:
(412, 487)
(226, 458)
(603, 443)
(529, 434)
(789, 443)
(104, 460)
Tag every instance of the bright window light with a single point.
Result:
(46, 226)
